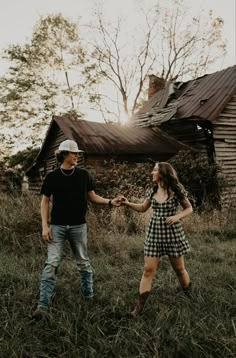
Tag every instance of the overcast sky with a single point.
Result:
(17, 17)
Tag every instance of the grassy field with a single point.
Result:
(171, 325)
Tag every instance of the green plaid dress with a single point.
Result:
(163, 239)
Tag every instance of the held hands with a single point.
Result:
(119, 200)
(116, 201)
(123, 200)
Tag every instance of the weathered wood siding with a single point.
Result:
(224, 134)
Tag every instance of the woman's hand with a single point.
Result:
(123, 200)
(172, 219)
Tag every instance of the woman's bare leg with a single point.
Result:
(150, 266)
(179, 268)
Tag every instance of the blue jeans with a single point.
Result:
(77, 236)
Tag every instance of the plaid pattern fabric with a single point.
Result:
(163, 239)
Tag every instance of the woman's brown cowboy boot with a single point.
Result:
(142, 298)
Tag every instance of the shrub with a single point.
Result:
(13, 179)
(128, 179)
(199, 177)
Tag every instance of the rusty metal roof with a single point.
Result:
(101, 138)
(113, 140)
(202, 98)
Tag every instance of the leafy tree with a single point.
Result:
(22, 159)
(45, 77)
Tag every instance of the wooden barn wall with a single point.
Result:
(224, 134)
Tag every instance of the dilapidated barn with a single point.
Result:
(101, 142)
(200, 113)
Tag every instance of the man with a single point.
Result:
(70, 187)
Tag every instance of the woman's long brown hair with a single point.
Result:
(170, 181)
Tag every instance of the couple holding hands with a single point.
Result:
(71, 187)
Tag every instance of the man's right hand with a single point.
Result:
(46, 234)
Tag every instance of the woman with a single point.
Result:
(165, 235)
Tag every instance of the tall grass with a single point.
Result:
(171, 325)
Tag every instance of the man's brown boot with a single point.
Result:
(142, 298)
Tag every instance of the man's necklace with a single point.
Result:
(67, 175)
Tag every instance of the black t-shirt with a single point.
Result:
(69, 193)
